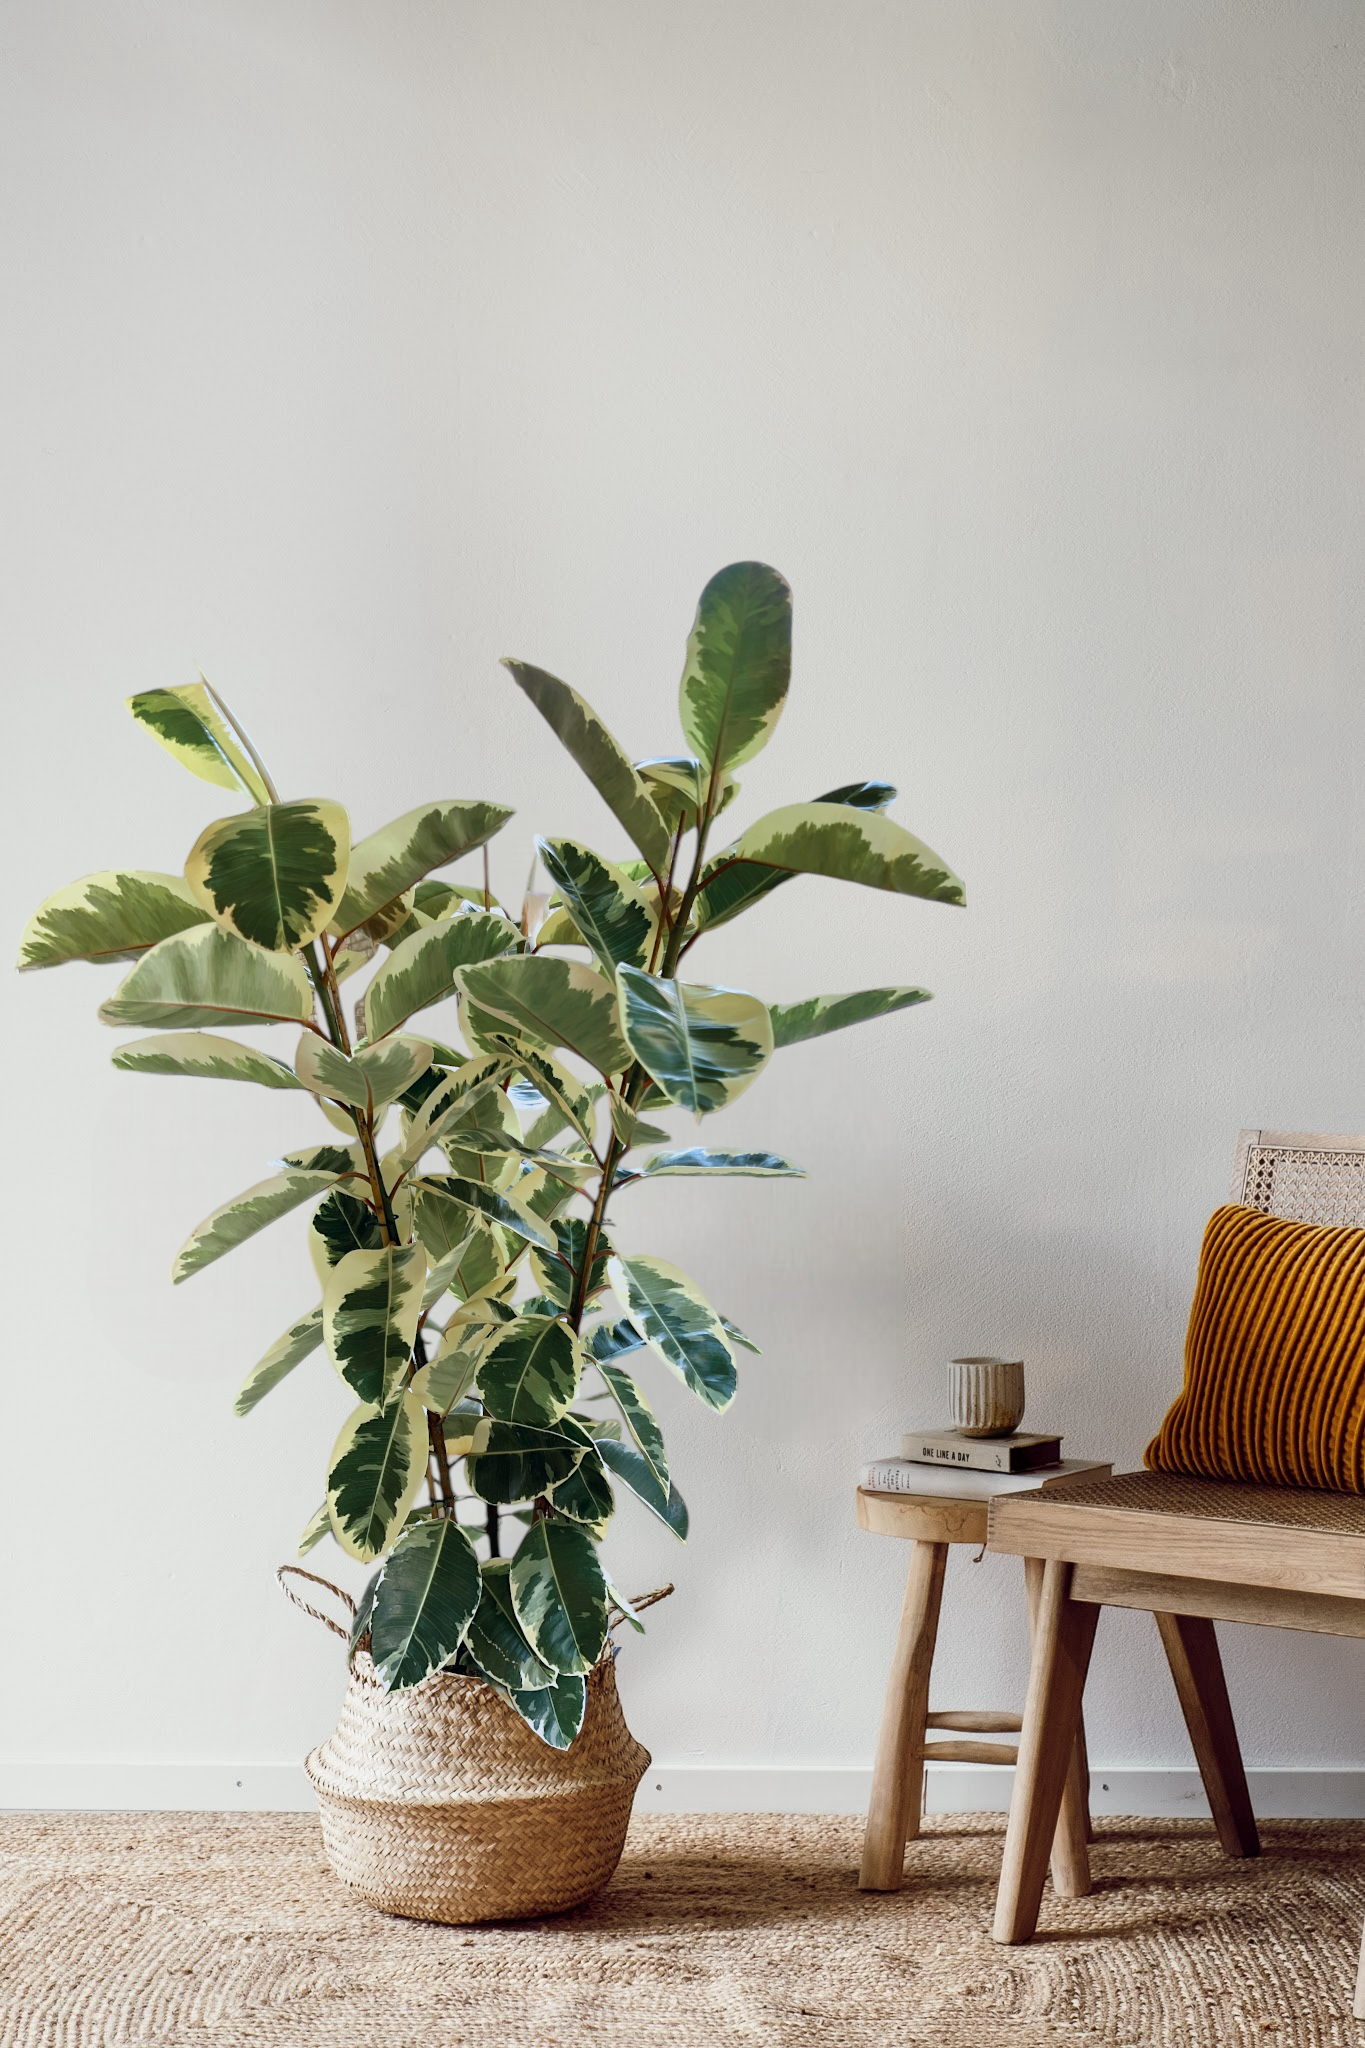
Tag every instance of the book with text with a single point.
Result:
(1020, 1453)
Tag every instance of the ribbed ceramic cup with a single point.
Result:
(986, 1395)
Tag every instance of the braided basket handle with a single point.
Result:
(297, 1571)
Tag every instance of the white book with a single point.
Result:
(901, 1475)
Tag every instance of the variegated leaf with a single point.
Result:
(585, 1496)
(377, 1467)
(449, 1229)
(737, 1336)
(273, 875)
(607, 908)
(607, 767)
(850, 846)
(457, 1096)
(444, 1275)
(190, 724)
(319, 1525)
(368, 1079)
(699, 1159)
(421, 970)
(201, 1054)
(554, 1712)
(557, 1002)
(702, 1045)
(244, 1215)
(530, 1372)
(298, 1341)
(729, 884)
(674, 1316)
(793, 1022)
(503, 1209)
(342, 1223)
(388, 862)
(207, 977)
(738, 665)
(519, 1462)
(426, 1597)
(636, 1473)
(679, 785)
(560, 1595)
(450, 1375)
(371, 1305)
(569, 1099)
(639, 1419)
(494, 1639)
(118, 914)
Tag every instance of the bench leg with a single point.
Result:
(1192, 1652)
(1064, 1634)
(1070, 1844)
(898, 1775)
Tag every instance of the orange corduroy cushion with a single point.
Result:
(1275, 1357)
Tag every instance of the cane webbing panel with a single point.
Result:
(1302, 1176)
(1214, 1500)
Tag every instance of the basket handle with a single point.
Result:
(347, 1602)
(639, 1600)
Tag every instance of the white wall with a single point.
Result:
(351, 345)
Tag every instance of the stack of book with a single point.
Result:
(945, 1461)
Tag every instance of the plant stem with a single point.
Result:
(491, 1528)
(436, 1432)
(325, 983)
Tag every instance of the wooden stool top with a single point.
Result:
(954, 1505)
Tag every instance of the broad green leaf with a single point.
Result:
(444, 1275)
(570, 1099)
(586, 1496)
(339, 1225)
(793, 1022)
(739, 658)
(457, 1095)
(639, 1419)
(273, 875)
(319, 1525)
(559, 1002)
(737, 1336)
(448, 1227)
(518, 1462)
(449, 1376)
(466, 1430)
(426, 1597)
(560, 1595)
(530, 1372)
(629, 1130)
(421, 970)
(189, 723)
(493, 1207)
(378, 1464)
(555, 1712)
(485, 1145)
(675, 1317)
(636, 1473)
(369, 1079)
(850, 846)
(208, 976)
(285, 1353)
(606, 906)
(244, 1215)
(118, 914)
(327, 1159)
(495, 1641)
(609, 1342)
(388, 862)
(702, 1045)
(729, 885)
(200, 1053)
(603, 761)
(556, 1275)
(679, 785)
(700, 1159)
(370, 1309)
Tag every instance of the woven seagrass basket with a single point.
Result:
(440, 1804)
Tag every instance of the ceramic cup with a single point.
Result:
(986, 1395)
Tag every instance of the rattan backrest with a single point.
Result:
(1308, 1176)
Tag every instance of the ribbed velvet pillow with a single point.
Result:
(1275, 1357)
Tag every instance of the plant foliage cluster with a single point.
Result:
(480, 1304)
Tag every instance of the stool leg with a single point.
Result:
(1047, 1744)
(1070, 1843)
(898, 1774)
(1358, 2006)
(1191, 1648)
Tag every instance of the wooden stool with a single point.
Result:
(954, 1511)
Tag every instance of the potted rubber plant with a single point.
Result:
(479, 1213)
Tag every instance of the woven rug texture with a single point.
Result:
(228, 1930)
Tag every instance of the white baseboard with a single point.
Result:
(1332, 1793)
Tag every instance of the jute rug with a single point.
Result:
(228, 1931)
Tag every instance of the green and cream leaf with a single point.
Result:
(850, 846)
(676, 1319)
(245, 1214)
(204, 1056)
(118, 914)
(530, 1372)
(554, 1002)
(371, 1305)
(639, 1419)
(559, 1594)
(273, 875)
(298, 1342)
(607, 908)
(377, 1467)
(603, 761)
(638, 1476)
(427, 1595)
(795, 1022)
(210, 977)
(495, 1641)
(189, 723)
(369, 1079)
(700, 1159)
(738, 664)
(421, 969)
(702, 1045)
(389, 862)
